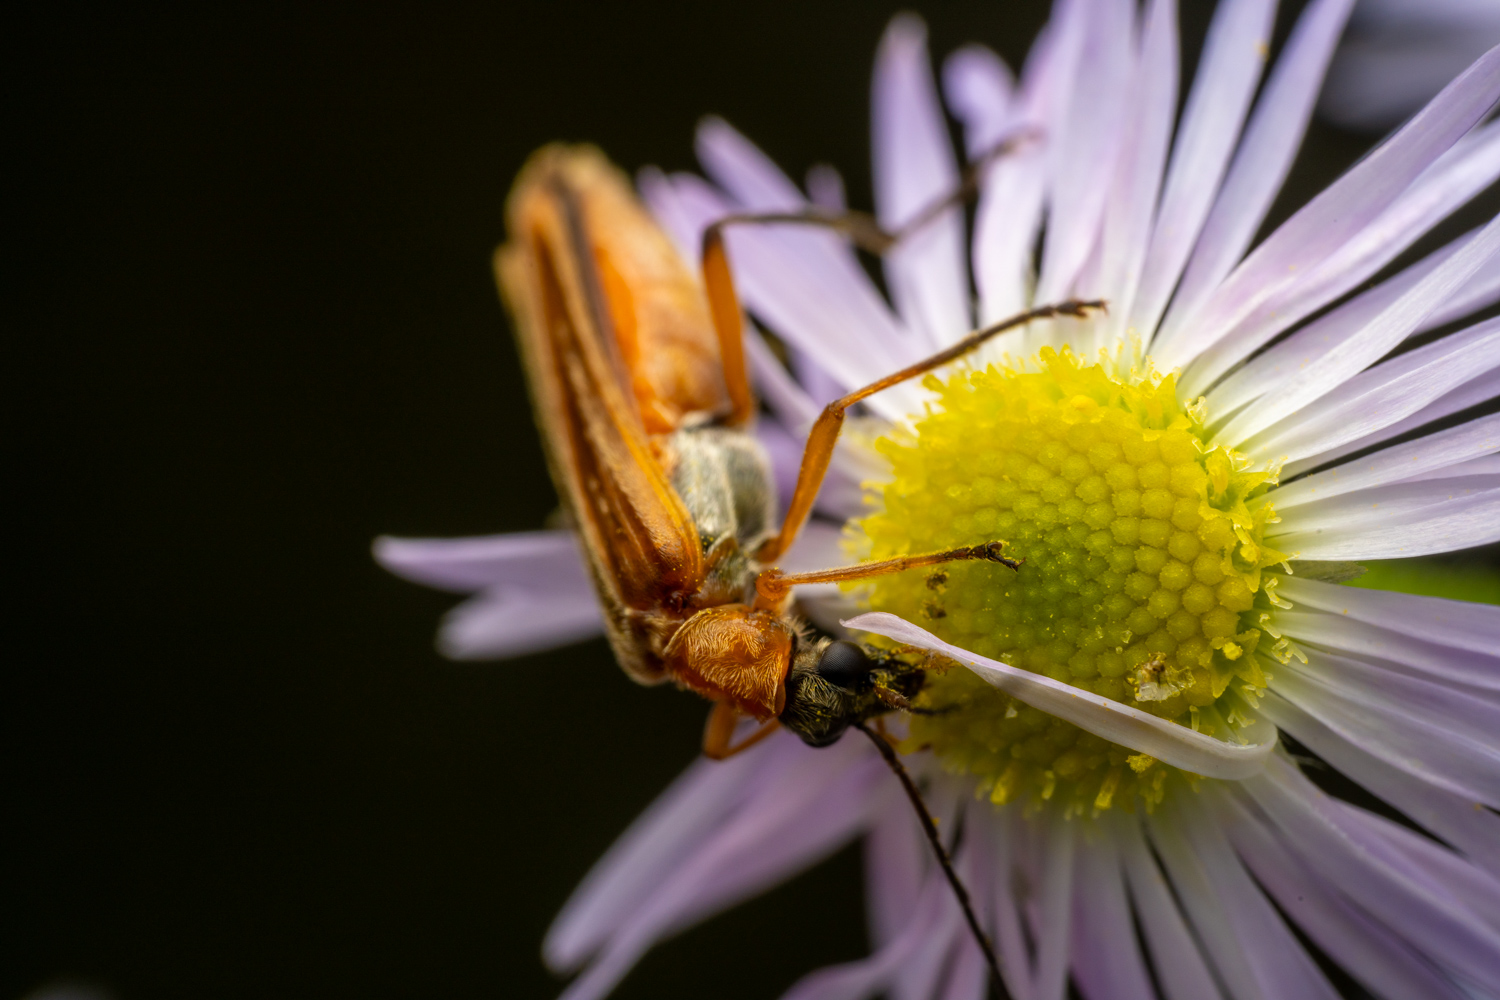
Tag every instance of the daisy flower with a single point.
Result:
(1117, 751)
(1398, 53)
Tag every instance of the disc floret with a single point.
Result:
(1143, 576)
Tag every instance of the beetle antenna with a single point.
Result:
(930, 828)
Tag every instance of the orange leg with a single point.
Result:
(825, 430)
(861, 227)
(720, 730)
(773, 585)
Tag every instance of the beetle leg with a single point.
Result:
(719, 731)
(773, 585)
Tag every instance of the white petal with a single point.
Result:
(1107, 960)
(1264, 157)
(1415, 908)
(1140, 731)
(1461, 624)
(1256, 426)
(1208, 915)
(464, 565)
(1463, 172)
(1441, 758)
(1083, 149)
(914, 166)
(1470, 715)
(1461, 821)
(1368, 950)
(1430, 457)
(1343, 209)
(1151, 108)
(1234, 54)
(1461, 667)
(1267, 371)
(1394, 522)
(1280, 964)
(1180, 966)
(1487, 465)
(1484, 386)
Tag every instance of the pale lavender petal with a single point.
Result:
(1267, 371)
(1145, 733)
(770, 836)
(1484, 386)
(1401, 53)
(895, 863)
(1447, 664)
(1151, 107)
(674, 825)
(1474, 887)
(1343, 209)
(1460, 820)
(968, 976)
(1435, 456)
(1009, 214)
(1395, 522)
(1463, 172)
(1376, 956)
(1208, 915)
(1265, 156)
(1488, 465)
(1415, 907)
(1461, 624)
(1447, 760)
(1281, 965)
(1381, 395)
(515, 619)
(463, 565)
(1084, 148)
(1107, 960)
(914, 166)
(980, 91)
(996, 833)
(1336, 369)
(1180, 966)
(1054, 907)
(1464, 714)
(1481, 292)
(1233, 56)
(825, 187)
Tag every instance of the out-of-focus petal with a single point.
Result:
(463, 565)
(914, 167)
(1118, 723)
(1107, 960)
(513, 620)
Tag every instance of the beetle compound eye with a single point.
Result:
(845, 664)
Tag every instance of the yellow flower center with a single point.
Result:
(1141, 580)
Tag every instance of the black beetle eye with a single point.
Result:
(844, 664)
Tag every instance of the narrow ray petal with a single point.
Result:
(1264, 158)
(1233, 56)
(914, 166)
(464, 565)
(1142, 732)
(1462, 624)
(1447, 664)
(1107, 960)
(1396, 522)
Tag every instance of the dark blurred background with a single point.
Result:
(257, 328)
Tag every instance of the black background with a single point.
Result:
(258, 329)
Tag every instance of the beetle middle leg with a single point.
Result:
(719, 732)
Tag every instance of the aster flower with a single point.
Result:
(1187, 477)
(1398, 53)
